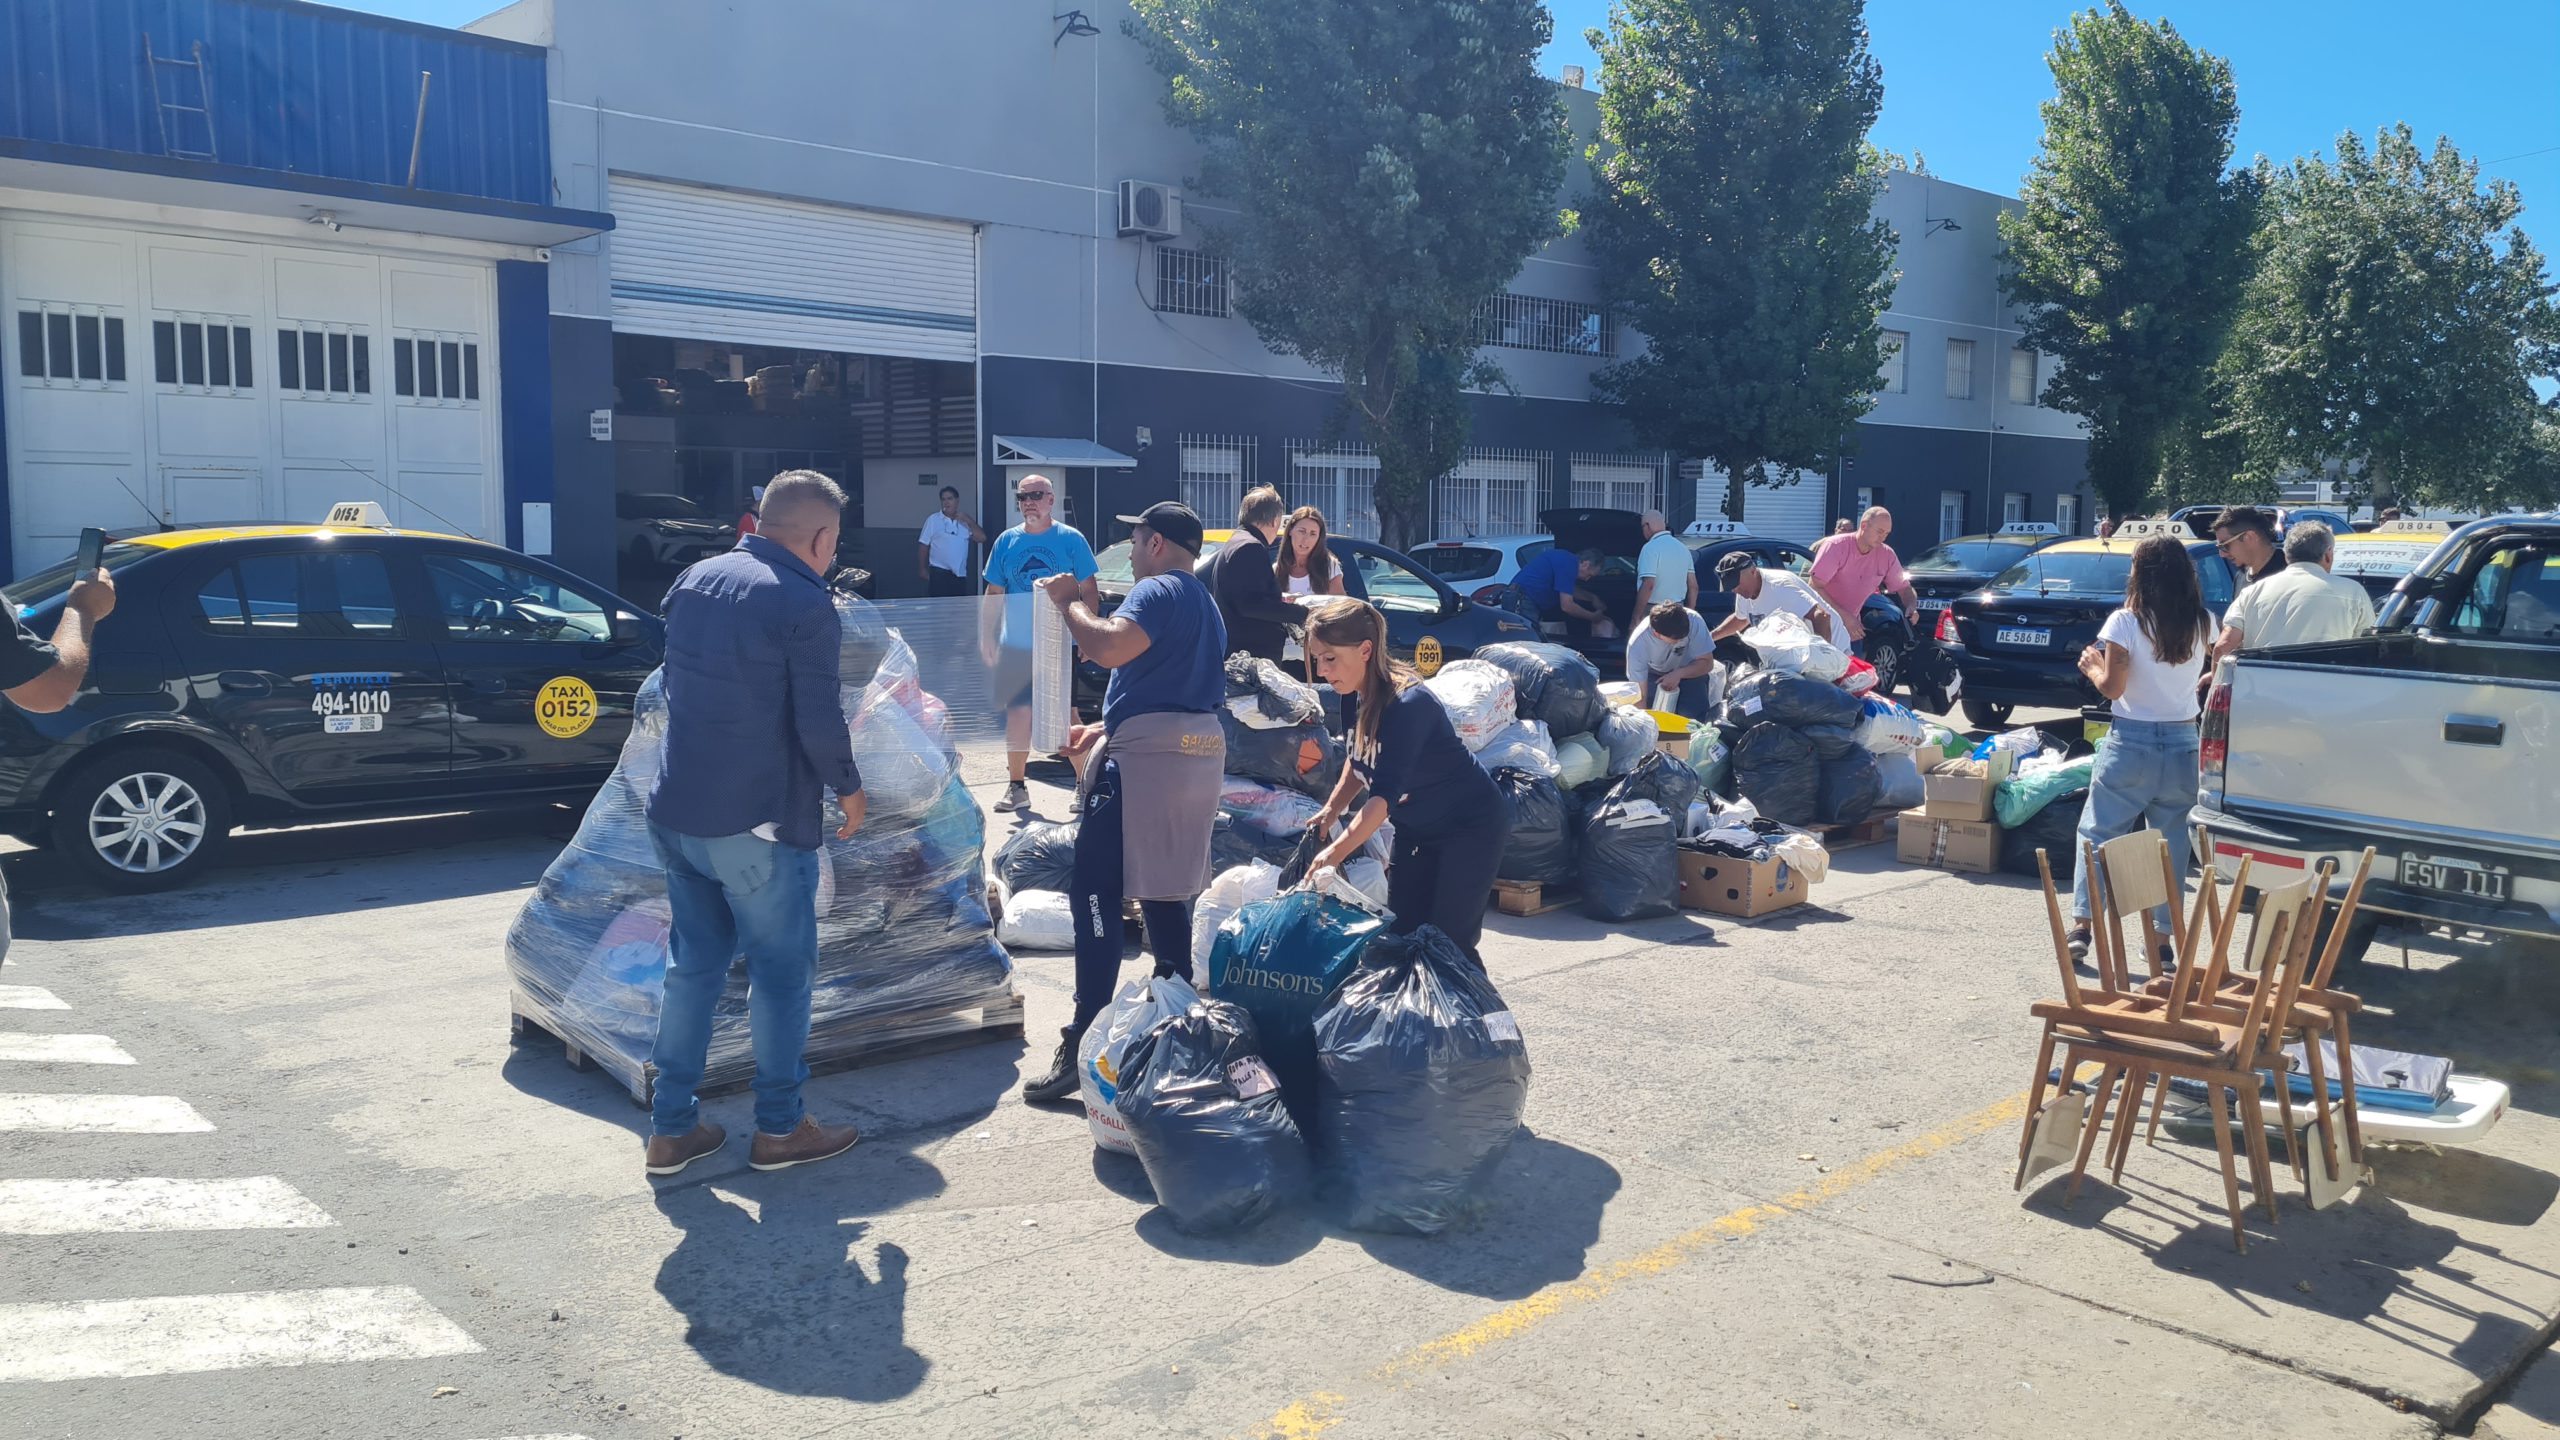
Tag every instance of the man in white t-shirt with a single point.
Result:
(1759, 590)
(2301, 604)
(1672, 661)
(942, 547)
(1664, 570)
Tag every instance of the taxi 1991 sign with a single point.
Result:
(565, 707)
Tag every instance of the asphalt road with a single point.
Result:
(1763, 1189)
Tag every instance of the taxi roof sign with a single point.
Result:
(1716, 527)
(2029, 527)
(357, 515)
(2152, 529)
(2412, 527)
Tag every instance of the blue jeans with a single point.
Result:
(2146, 771)
(731, 894)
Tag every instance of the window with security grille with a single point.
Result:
(1190, 282)
(1617, 482)
(1534, 322)
(1489, 492)
(1959, 369)
(203, 352)
(1215, 472)
(438, 368)
(2022, 376)
(1340, 480)
(70, 345)
(322, 361)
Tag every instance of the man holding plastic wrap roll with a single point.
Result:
(754, 728)
(1150, 791)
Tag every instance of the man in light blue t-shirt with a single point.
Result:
(1665, 574)
(1021, 557)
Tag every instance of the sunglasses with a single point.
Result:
(1027, 495)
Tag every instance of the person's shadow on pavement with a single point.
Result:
(772, 1281)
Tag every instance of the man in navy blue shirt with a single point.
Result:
(1166, 649)
(1552, 581)
(754, 728)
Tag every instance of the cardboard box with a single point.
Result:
(1962, 789)
(1731, 886)
(1924, 839)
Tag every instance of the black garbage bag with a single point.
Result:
(1205, 1112)
(1541, 845)
(1791, 700)
(1422, 1081)
(1830, 742)
(1039, 856)
(1305, 758)
(1234, 842)
(1626, 864)
(2053, 829)
(1775, 769)
(1662, 779)
(1852, 787)
(1277, 695)
(1550, 684)
(1279, 958)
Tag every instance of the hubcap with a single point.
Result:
(147, 822)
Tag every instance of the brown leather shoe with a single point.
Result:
(812, 1141)
(670, 1153)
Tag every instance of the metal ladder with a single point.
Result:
(169, 101)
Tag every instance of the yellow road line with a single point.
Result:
(1323, 1410)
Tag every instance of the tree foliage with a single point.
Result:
(2396, 319)
(1733, 223)
(2131, 242)
(1393, 162)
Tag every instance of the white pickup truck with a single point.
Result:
(2436, 740)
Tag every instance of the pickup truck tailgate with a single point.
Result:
(2413, 752)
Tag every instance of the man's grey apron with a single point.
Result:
(1171, 764)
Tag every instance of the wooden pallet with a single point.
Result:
(1528, 897)
(1875, 829)
(928, 1033)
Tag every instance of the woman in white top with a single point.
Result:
(2147, 660)
(1304, 564)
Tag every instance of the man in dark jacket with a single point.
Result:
(1246, 585)
(754, 728)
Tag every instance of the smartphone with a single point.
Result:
(93, 542)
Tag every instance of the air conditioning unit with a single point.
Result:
(1150, 209)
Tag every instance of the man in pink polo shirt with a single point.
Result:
(1849, 568)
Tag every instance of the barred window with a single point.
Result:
(1215, 472)
(1490, 492)
(75, 344)
(1189, 282)
(1619, 482)
(1532, 322)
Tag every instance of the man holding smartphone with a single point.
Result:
(43, 676)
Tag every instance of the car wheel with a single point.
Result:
(1986, 714)
(1887, 658)
(142, 819)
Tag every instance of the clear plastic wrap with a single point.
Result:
(906, 948)
(1478, 698)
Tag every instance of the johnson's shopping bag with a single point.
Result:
(1205, 1112)
(1423, 1078)
(1279, 959)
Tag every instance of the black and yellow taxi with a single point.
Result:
(281, 674)
(2017, 640)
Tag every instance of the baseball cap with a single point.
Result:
(1729, 569)
(1171, 519)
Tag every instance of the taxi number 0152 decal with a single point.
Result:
(565, 707)
(351, 702)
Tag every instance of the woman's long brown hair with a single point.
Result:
(1319, 564)
(1344, 621)
(2162, 593)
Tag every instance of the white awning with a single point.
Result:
(1055, 450)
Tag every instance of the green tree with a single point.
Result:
(2131, 242)
(1733, 224)
(1392, 163)
(2397, 319)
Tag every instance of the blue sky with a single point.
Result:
(1962, 80)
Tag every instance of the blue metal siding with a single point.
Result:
(294, 87)
(524, 392)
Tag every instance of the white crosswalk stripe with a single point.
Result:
(61, 1049)
(28, 997)
(99, 1115)
(189, 1334)
(92, 1207)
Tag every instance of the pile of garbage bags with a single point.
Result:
(1806, 742)
(904, 937)
(1383, 1070)
(2039, 805)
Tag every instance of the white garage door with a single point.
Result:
(702, 264)
(158, 378)
(1799, 512)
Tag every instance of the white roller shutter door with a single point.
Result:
(702, 264)
(1799, 512)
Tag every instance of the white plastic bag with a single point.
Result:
(1579, 761)
(1367, 874)
(1233, 890)
(1889, 727)
(903, 770)
(1477, 695)
(1037, 920)
(1140, 1006)
(1520, 745)
(1785, 642)
(1903, 787)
